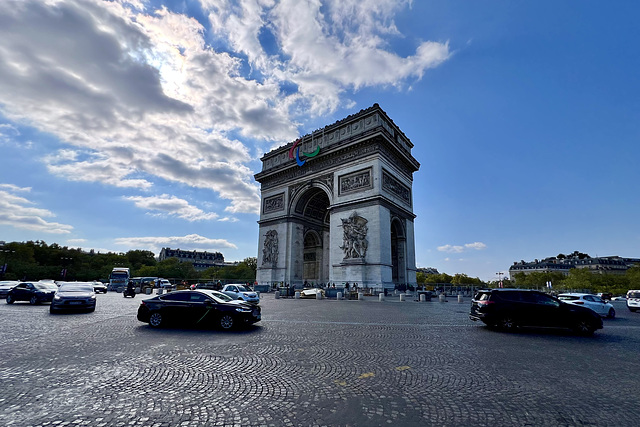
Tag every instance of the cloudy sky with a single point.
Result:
(140, 124)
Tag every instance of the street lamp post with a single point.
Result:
(500, 274)
(65, 262)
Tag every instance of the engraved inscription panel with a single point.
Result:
(395, 187)
(356, 181)
(274, 203)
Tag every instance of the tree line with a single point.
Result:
(36, 260)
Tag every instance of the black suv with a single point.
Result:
(509, 308)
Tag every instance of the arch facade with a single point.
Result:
(336, 206)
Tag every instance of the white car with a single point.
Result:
(241, 292)
(633, 300)
(593, 302)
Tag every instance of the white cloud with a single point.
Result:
(18, 212)
(476, 245)
(172, 206)
(188, 242)
(137, 95)
(76, 241)
(458, 249)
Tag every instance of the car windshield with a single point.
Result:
(243, 289)
(220, 297)
(72, 287)
(45, 286)
(568, 297)
(634, 295)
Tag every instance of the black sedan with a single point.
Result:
(198, 308)
(74, 296)
(34, 292)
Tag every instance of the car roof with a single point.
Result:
(574, 294)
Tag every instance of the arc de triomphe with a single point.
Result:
(337, 206)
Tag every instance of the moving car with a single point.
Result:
(74, 296)
(241, 292)
(6, 286)
(99, 287)
(34, 292)
(633, 300)
(593, 302)
(508, 309)
(198, 307)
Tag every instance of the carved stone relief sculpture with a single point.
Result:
(354, 241)
(270, 249)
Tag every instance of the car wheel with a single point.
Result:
(584, 327)
(33, 300)
(240, 299)
(10, 299)
(507, 323)
(611, 314)
(226, 321)
(633, 310)
(155, 320)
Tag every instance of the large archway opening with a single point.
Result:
(312, 210)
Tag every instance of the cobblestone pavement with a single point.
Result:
(313, 363)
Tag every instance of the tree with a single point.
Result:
(578, 278)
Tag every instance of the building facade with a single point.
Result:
(337, 206)
(597, 265)
(200, 260)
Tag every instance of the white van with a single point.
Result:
(633, 300)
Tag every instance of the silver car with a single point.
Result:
(6, 286)
(74, 296)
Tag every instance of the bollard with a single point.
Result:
(401, 297)
(297, 295)
(380, 296)
(441, 298)
(148, 291)
(277, 294)
(423, 297)
(159, 291)
(460, 299)
(318, 295)
(339, 296)
(360, 296)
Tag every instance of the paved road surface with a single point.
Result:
(313, 363)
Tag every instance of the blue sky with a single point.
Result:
(139, 125)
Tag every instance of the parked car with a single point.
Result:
(74, 296)
(606, 296)
(241, 292)
(312, 293)
(508, 309)
(34, 292)
(6, 286)
(209, 285)
(593, 302)
(633, 300)
(619, 298)
(198, 307)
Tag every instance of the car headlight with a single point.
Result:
(93, 296)
(243, 310)
(57, 297)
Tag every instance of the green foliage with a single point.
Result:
(37, 260)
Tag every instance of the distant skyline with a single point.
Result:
(140, 124)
